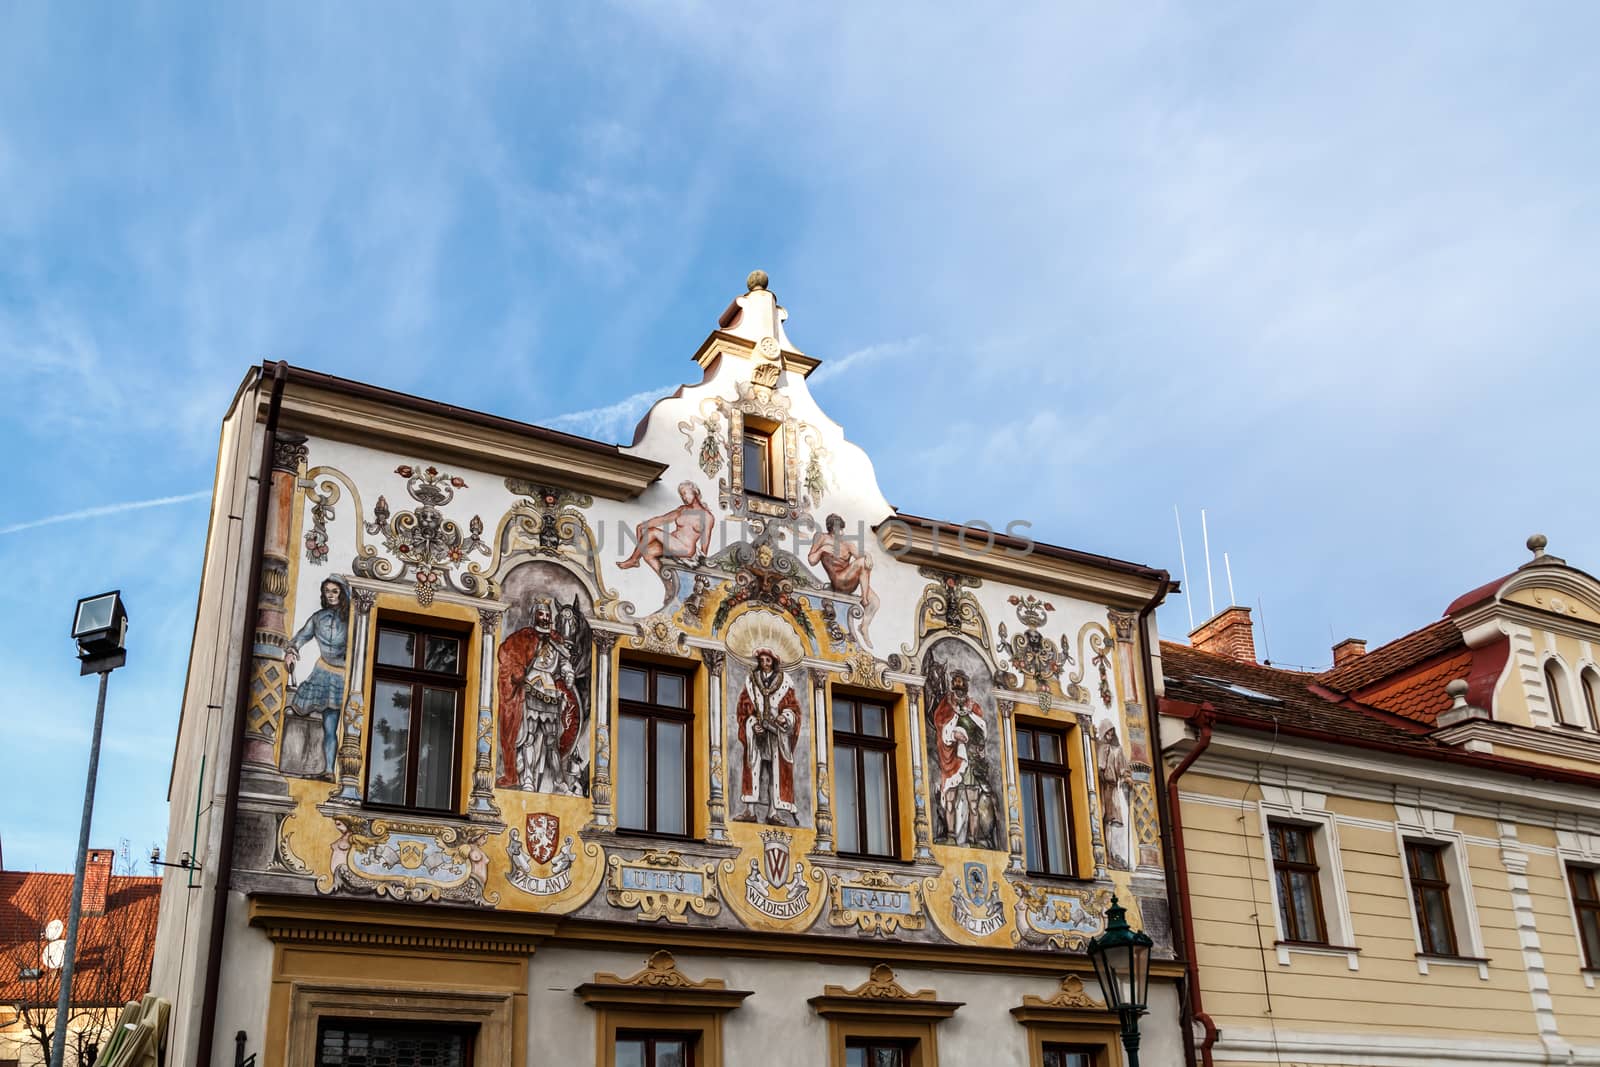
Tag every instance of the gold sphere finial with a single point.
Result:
(756, 280)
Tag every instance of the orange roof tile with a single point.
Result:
(1398, 655)
(115, 949)
(1419, 693)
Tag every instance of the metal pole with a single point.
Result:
(1130, 1037)
(58, 1041)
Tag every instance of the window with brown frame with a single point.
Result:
(758, 453)
(1554, 680)
(1430, 893)
(1591, 696)
(648, 1049)
(866, 818)
(1294, 863)
(419, 685)
(1069, 1055)
(1046, 799)
(392, 1043)
(878, 1052)
(1586, 903)
(655, 768)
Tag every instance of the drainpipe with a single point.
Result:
(1158, 769)
(230, 801)
(1202, 720)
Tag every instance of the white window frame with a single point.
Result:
(1463, 908)
(1577, 849)
(1305, 809)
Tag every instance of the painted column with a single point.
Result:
(716, 801)
(821, 738)
(922, 829)
(481, 806)
(269, 674)
(1008, 756)
(348, 790)
(1092, 785)
(604, 643)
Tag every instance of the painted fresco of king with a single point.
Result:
(540, 714)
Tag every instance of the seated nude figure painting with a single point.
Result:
(682, 533)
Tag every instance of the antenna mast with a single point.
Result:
(1205, 539)
(1229, 568)
(1188, 601)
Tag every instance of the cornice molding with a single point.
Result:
(720, 344)
(328, 407)
(914, 541)
(1568, 742)
(354, 924)
(1070, 1005)
(660, 986)
(882, 995)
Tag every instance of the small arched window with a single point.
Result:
(1591, 696)
(1554, 683)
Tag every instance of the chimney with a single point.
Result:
(1227, 633)
(1348, 651)
(97, 880)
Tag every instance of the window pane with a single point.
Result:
(755, 461)
(1441, 938)
(391, 743)
(1031, 830)
(1428, 864)
(1024, 744)
(876, 801)
(436, 749)
(1050, 747)
(671, 1053)
(1276, 833)
(442, 654)
(633, 684)
(844, 716)
(855, 1057)
(396, 648)
(888, 1057)
(1304, 891)
(1591, 698)
(1589, 923)
(1583, 883)
(1055, 823)
(669, 777)
(873, 720)
(630, 1052)
(669, 690)
(848, 822)
(631, 785)
(1297, 845)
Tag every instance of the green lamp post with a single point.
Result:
(1121, 958)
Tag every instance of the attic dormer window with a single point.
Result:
(1554, 682)
(760, 452)
(1591, 696)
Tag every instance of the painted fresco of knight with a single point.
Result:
(769, 718)
(541, 710)
(966, 800)
(311, 727)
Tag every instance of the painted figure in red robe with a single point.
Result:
(769, 718)
(540, 714)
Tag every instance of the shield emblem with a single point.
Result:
(975, 882)
(544, 834)
(775, 860)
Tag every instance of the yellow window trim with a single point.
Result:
(1070, 1016)
(882, 1007)
(662, 998)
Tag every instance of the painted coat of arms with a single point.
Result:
(1060, 918)
(776, 884)
(541, 851)
(976, 903)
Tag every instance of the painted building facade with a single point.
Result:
(1395, 861)
(573, 753)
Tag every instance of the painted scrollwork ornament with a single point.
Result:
(1029, 652)
(430, 547)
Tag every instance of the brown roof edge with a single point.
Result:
(1053, 551)
(381, 395)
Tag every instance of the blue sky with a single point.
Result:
(1327, 271)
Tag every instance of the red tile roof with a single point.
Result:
(1419, 693)
(1398, 655)
(115, 949)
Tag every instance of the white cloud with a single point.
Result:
(105, 509)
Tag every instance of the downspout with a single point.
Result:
(1202, 720)
(1158, 768)
(230, 801)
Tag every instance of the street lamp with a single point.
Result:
(1121, 959)
(100, 626)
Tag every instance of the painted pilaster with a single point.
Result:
(922, 828)
(1091, 780)
(821, 738)
(1515, 862)
(354, 721)
(1008, 756)
(605, 643)
(268, 673)
(481, 806)
(716, 803)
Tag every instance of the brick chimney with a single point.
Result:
(1227, 633)
(97, 880)
(1348, 651)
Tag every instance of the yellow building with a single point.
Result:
(1395, 861)
(506, 745)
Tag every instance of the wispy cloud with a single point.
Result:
(861, 357)
(104, 509)
(610, 421)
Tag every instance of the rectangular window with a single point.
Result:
(418, 689)
(641, 1049)
(1068, 1056)
(1430, 893)
(757, 461)
(876, 1052)
(654, 770)
(1294, 863)
(1046, 801)
(1586, 902)
(384, 1043)
(863, 755)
